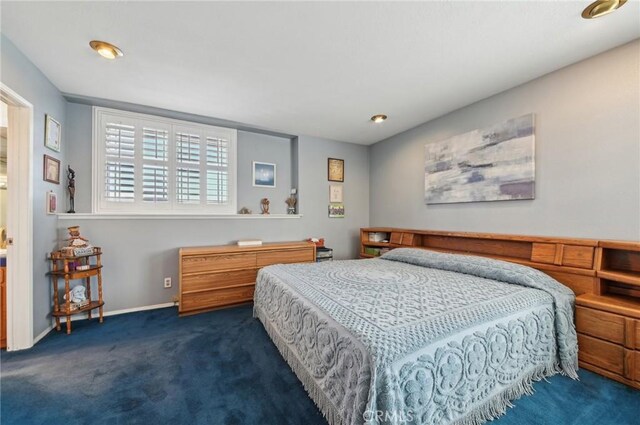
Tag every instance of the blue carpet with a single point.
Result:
(219, 368)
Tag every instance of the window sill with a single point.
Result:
(158, 216)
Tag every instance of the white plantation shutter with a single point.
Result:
(119, 167)
(188, 185)
(151, 164)
(217, 170)
(188, 166)
(155, 164)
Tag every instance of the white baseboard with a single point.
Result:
(107, 313)
(134, 309)
(44, 333)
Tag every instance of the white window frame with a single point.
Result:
(101, 205)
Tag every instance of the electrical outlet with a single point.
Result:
(167, 282)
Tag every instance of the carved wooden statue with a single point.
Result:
(71, 186)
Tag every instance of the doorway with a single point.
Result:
(4, 122)
(18, 202)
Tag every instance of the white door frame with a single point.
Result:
(19, 220)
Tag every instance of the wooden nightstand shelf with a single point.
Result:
(608, 321)
(62, 268)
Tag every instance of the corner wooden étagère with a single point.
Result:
(225, 275)
(605, 276)
(63, 267)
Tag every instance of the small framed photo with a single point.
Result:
(52, 203)
(51, 170)
(336, 194)
(336, 210)
(264, 174)
(52, 133)
(336, 170)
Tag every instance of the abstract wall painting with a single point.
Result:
(493, 164)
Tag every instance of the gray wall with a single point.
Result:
(342, 234)
(20, 75)
(587, 157)
(139, 253)
(263, 148)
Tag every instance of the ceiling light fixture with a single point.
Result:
(378, 118)
(106, 50)
(601, 7)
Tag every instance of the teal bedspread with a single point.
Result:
(417, 337)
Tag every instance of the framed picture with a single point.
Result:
(264, 174)
(52, 133)
(51, 170)
(336, 210)
(336, 170)
(336, 193)
(52, 203)
(481, 170)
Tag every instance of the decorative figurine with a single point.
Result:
(75, 240)
(291, 204)
(77, 245)
(71, 185)
(244, 210)
(264, 205)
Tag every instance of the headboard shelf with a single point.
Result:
(613, 304)
(587, 266)
(623, 277)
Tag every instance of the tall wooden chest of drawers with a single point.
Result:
(220, 276)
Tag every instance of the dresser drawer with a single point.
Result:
(601, 353)
(215, 298)
(218, 280)
(209, 263)
(602, 325)
(284, 257)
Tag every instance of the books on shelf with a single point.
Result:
(372, 251)
(250, 242)
(378, 237)
(70, 251)
(74, 306)
(324, 254)
(87, 250)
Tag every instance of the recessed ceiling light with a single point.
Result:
(601, 7)
(378, 118)
(106, 50)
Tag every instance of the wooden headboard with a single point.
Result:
(587, 266)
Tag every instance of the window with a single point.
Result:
(144, 163)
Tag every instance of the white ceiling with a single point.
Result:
(318, 69)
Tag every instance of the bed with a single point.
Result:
(417, 336)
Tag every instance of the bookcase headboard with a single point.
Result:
(587, 266)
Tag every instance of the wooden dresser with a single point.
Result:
(605, 276)
(220, 276)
